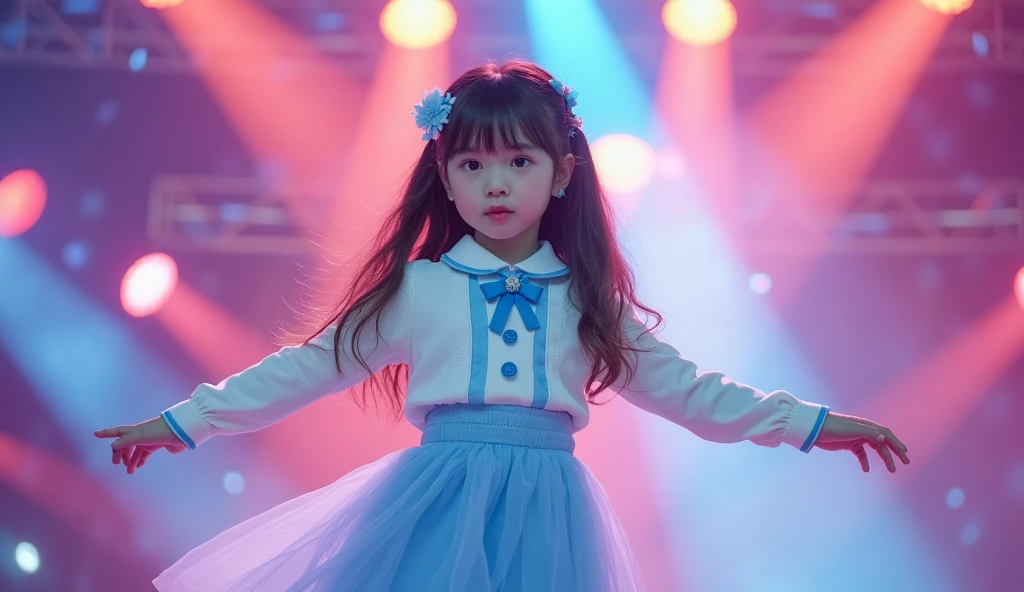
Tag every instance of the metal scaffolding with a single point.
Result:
(230, 214)
(44, 32)
(895, 217)
(898, 217)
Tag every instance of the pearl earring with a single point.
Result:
(451, 197)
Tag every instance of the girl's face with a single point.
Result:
(521, 180)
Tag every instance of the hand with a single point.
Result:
(136, 442)
(847, 432)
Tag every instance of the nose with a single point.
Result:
(496, 186)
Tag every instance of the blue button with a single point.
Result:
(510, 336)
(508, 370)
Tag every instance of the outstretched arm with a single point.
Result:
(711, 405)
(279, 385)
(718, 409)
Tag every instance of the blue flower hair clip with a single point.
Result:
(432, 113)
(570, 102)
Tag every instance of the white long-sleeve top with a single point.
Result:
(475, 330)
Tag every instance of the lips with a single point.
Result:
(497, 210)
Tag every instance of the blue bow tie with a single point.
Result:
(515, 291)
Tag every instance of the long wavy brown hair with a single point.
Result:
(500, 103)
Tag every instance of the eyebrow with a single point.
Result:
(523, 146)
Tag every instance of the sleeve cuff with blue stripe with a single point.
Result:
(184, 421)
(808, 419)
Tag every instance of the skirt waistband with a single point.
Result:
(500, 424)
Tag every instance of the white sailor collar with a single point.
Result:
(470, 257)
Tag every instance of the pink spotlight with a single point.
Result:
(22, 199)
(160, 4)
(148, 284)
(1018, 287)
(417, 24)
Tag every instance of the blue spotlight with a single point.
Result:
(76, 255)
(820, 10)
(955, 498)
(329, 22)
(138, 59)
(970, 533)
(980, 44)
(107, 112)
(80, 6)
(612, 96)
(234, 483)
(92, 204)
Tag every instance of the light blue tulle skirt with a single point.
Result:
(492, 499)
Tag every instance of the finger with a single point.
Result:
(896, 445)
(136, 457)
(110, 432)
(880, 434)
(862, 456)
(126, 455)
(128, 438)
(115, 453)
(873, 431)
(145, 457)
(883, 451)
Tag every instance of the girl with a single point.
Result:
(496, 290)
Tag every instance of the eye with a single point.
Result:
(524, 162)
(471, 165)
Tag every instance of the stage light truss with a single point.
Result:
(44, 32)
(231, 214)
(898, 217)
(105, 33)
(895, 217)
(989, 35)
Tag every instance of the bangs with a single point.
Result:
(496, 115)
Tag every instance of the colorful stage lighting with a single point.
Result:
(22, 199)
(624, 163)
(948, 6)
(148, 284)
(417, 24)
(699, 22)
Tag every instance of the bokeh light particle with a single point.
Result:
(699, 22)
(1016, 480)
(22, 200)
(955, 498)
(624, 163)
(107, 112)
(138, 59)
(1018, 287)
(760, 283)
(27, 557)
(970, 533)
(948, 6)
(148, 283)
(417, 24)
(160, 4)
(76, 255)
(234, 483)
(671, 165)
(980, 44)
(92, 204)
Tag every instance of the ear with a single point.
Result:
(442, 171)
(563, 173)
